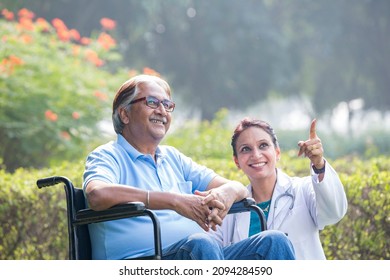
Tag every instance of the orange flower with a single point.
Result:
(93, 57)
(65, 135)
(25, 38)
(7, 65)
(51, 116)
(26, 24)
(62, 30)
(101, 95)
(15, 60)
(4, 66)
(8, 15)
(76, 115)
(63, 35)
(74, 34)
(42, 24)
(24, 13)
(150, 71)
(58, 24)
(85, 41)
(75, 50)
(108, 24)
(106, 41)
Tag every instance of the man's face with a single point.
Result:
(144, 124)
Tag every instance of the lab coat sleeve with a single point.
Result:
(330, 198)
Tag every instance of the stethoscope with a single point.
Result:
(289, 195)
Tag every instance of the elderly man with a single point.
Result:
(189, 199)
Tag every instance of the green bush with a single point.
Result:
(364, 232)
(205, 139)
(34, 220)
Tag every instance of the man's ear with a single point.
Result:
(123, 115)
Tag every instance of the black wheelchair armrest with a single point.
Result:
(249, 204)
(242, 205)
(127, 210)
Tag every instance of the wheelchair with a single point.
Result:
(78, 217)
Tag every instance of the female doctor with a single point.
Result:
(299, 207)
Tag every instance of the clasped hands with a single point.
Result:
(207, 208)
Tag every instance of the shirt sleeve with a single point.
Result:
(101, 165)
(198, 174)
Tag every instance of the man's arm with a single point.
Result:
(101, 195)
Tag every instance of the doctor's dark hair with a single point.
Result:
(247, 123)
(128, 91)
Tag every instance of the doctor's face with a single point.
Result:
(256, 154)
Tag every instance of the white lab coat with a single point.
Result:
(316, 205)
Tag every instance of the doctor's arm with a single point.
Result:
(330, 197)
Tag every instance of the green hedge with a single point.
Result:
(34, 223)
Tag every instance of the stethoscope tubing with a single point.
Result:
(287, 193)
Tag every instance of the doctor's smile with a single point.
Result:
(260, 164)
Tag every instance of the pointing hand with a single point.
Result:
(312, 148)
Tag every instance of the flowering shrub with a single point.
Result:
(55, 88)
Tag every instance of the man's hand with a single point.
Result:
(204, 214)
(220, 199)
(217, 204)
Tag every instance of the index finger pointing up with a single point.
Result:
(313, 133)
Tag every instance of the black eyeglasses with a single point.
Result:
(154, 102)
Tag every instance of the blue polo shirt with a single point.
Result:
(118, 162)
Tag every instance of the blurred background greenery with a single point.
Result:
(284, 62)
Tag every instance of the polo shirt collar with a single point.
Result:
(133, 152)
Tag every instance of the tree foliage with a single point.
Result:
(342, 47)
(54, 89)
(232, 54)
(220, 54)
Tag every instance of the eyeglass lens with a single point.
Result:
(153, 102)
